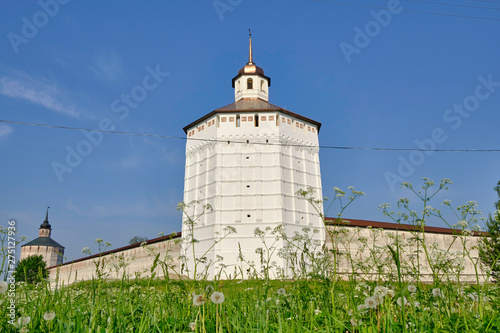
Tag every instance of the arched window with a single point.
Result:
(249, 84)
(256, 120)
(262, 85)
(238, 87)
(238, 121)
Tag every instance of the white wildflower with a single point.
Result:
(317, 312)
(417, 304)
(412, 288)
(281, 291)
(192, 326)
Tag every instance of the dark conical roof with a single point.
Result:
(45, 224)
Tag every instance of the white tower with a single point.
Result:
(247, 160)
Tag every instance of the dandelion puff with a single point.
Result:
(361, 307)
(380, 291)
(417, 304)
(436, 292)
(48, 316)
(371, 302)
(3, 286)
(217, 297)
(24, 320)
(391, 293)
(402, 301)
(192, 326)
(412, 288)
(355, 322)
(198, 300)
(281, 291)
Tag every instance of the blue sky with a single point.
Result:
(403, 78)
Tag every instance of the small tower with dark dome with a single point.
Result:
(51, 251)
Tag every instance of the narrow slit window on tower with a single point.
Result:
(249, 84)
(238, 85)
(262, 85)
(256, 120)
(238, 121)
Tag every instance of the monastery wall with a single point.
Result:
(365, 251)
(135, 261)
(362, 249)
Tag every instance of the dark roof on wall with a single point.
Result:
(251, 105)
(128, 247)
(43, 241)
(398, 226)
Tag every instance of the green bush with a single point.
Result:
(31, 270)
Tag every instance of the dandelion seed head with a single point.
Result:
(198, 300)
(412, 288)
(3, 286)
(371, 302)
(380, 291)
(281, 291)
(24, 320)
(361, 307)
(48, 316)
(436, 292)
(402, 301)
(217, 297)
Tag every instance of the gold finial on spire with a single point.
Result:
(250, 57)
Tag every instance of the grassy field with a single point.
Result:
(253, 306)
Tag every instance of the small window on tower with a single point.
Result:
(256, 120)
(238, 121)
(249, 84)
(262, 85)
(238, 86)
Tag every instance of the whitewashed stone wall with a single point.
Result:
(364, 249)
(135, 261)
(359, 247)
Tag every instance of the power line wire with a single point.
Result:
(409, 10)
(454, 4)
(246, 142)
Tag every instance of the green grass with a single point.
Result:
(252, 306)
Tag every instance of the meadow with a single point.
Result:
(314, 299)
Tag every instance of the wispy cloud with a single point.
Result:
(107, 65)
(70, 205)
(38, 91)
(5, 131)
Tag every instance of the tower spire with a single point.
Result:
(47, 215)
(250, 56)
